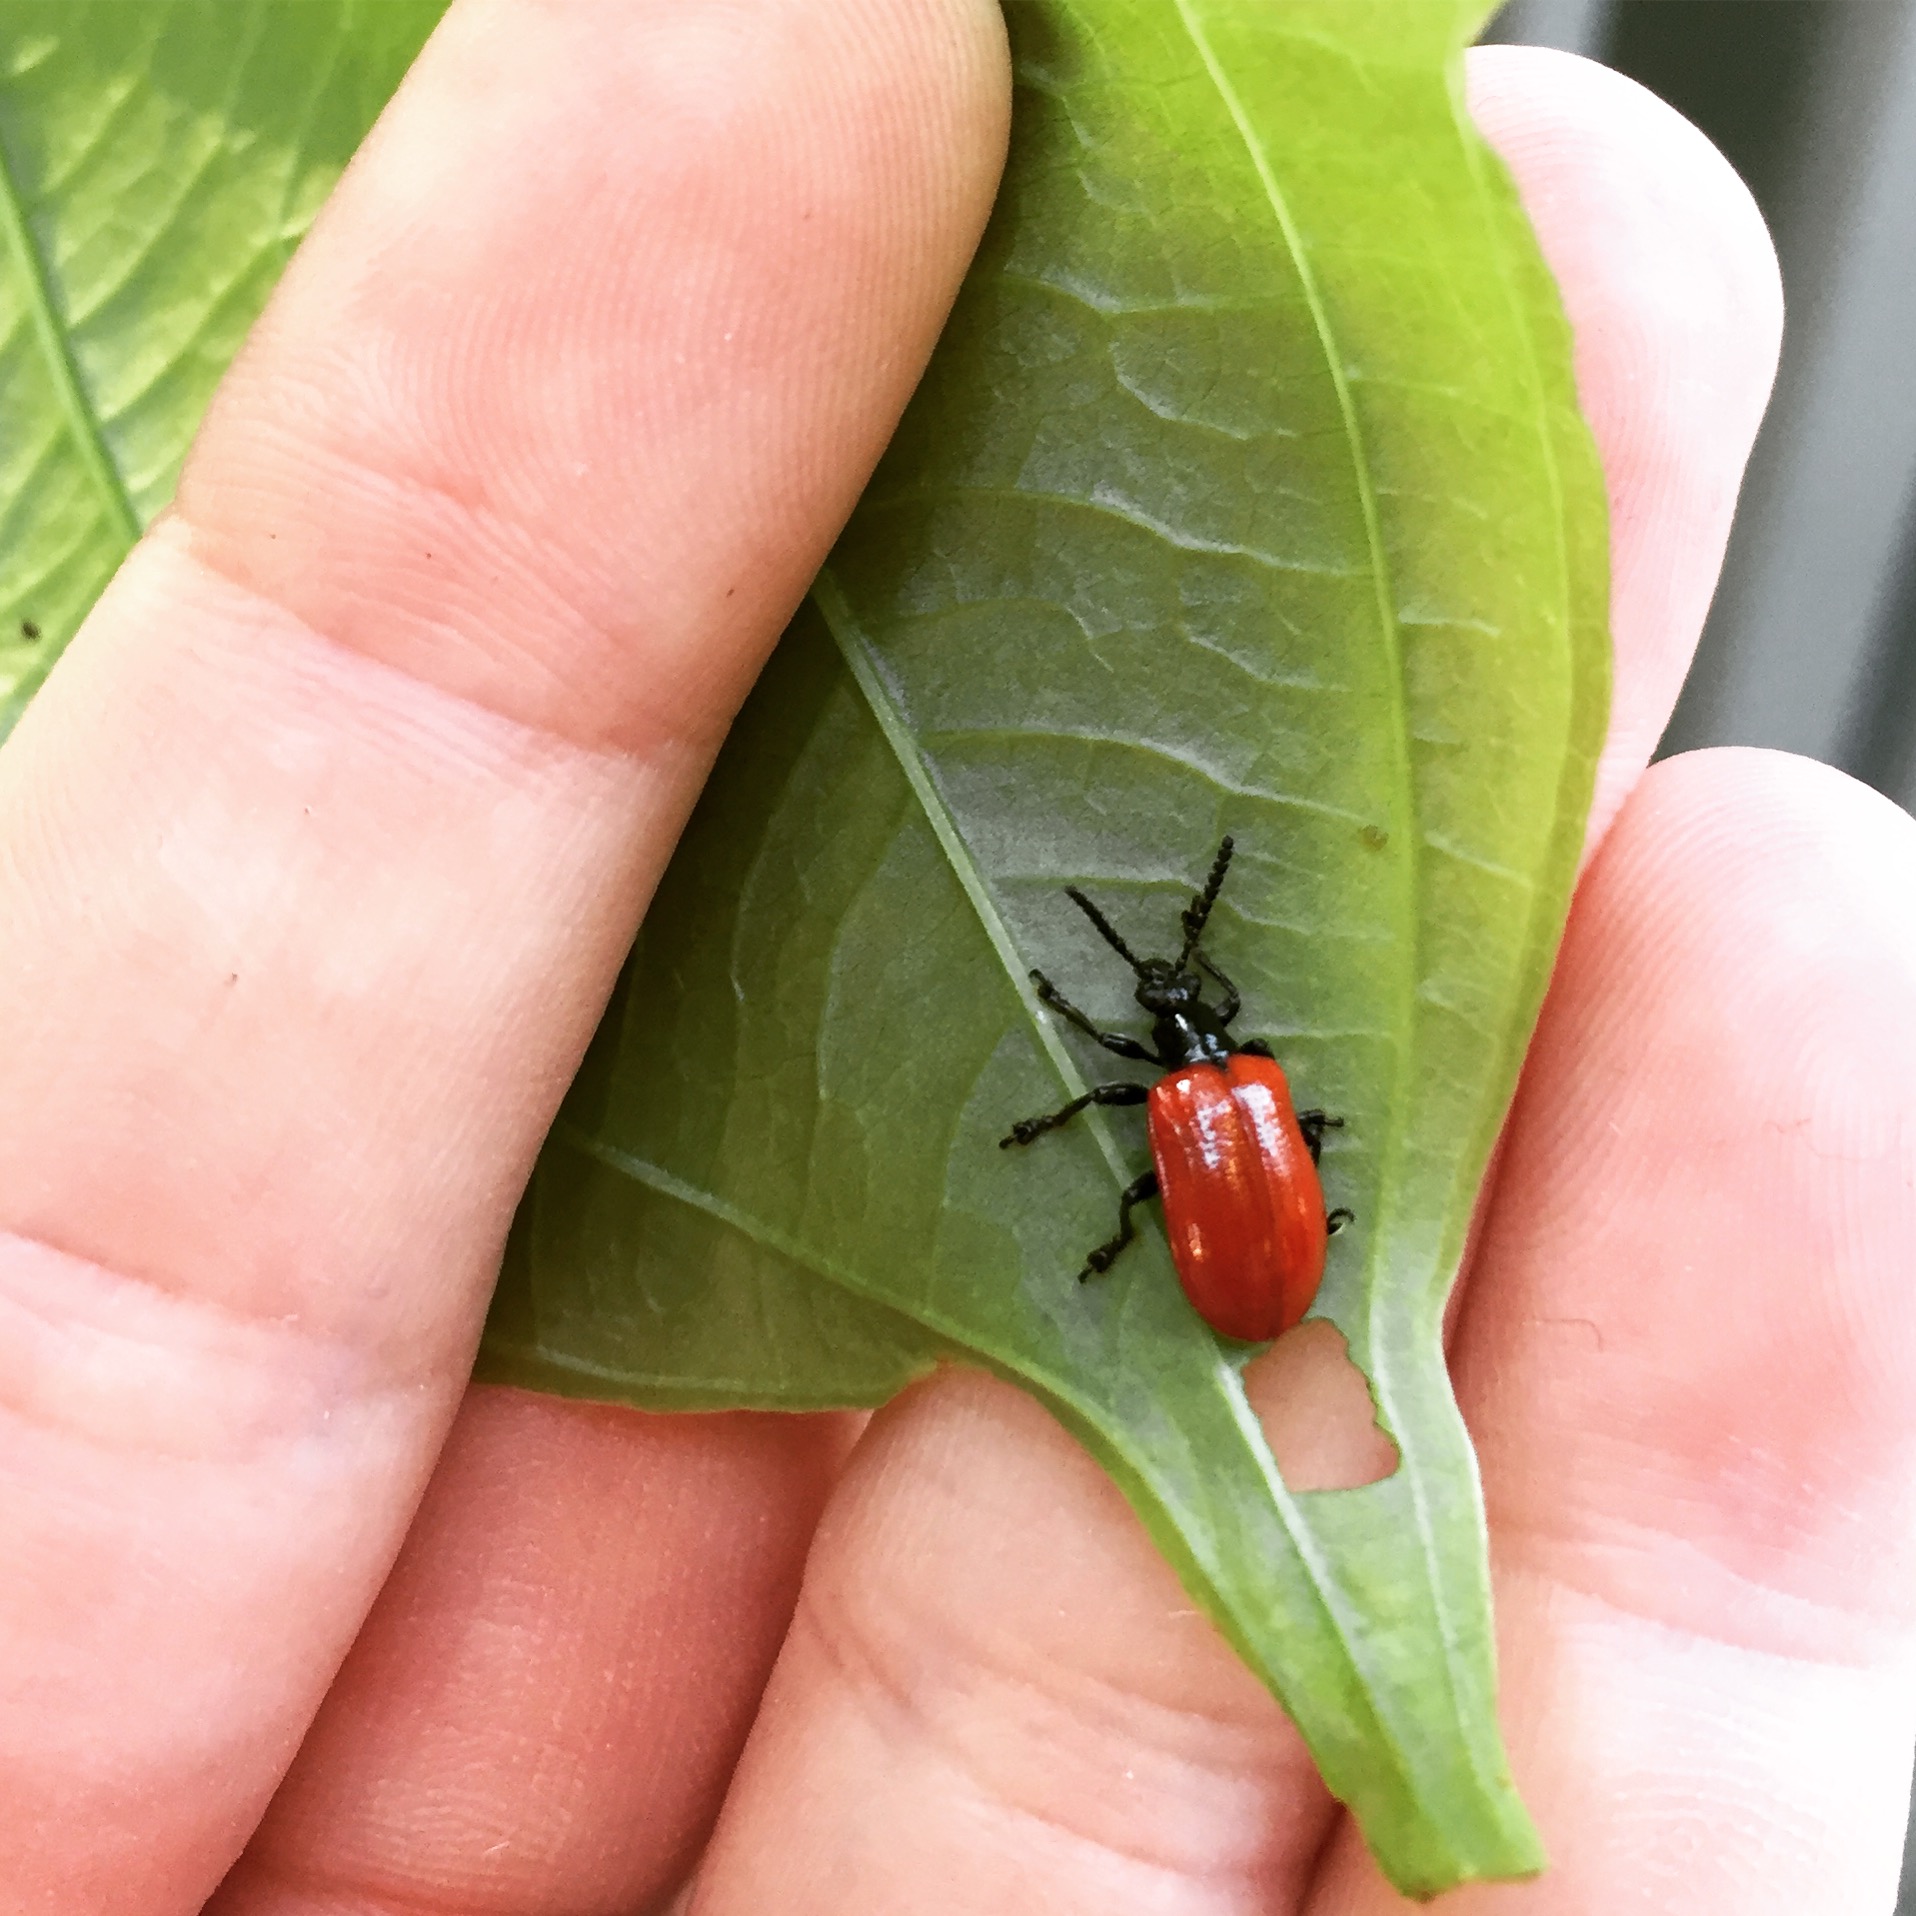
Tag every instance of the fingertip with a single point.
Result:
(1615, 178)
(1815, 864)
(1672, 290)
(1687, 1344)
(1698, 1253)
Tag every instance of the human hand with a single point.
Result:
(323, 846)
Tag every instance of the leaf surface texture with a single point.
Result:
(1246, 493)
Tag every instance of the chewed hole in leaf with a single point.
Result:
(1315, 1406)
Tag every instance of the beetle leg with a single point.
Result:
(1028, 1128)
(1101, 1259)
(1049, 994)
(1337, 1219)
(1233, 1002)
(1254, 1048)
(1314, 1124)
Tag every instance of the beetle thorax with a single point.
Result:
(1184, 1029)
(1191, 1036)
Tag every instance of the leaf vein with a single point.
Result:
(155, 235)
(859, 656)
(35, 272)
(1151, 748)
(1121, 511)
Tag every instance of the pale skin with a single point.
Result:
(318, 855)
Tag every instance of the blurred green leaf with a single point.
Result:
(1247, 493)
(158, 164)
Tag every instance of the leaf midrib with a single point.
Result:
(83, 422)
(1343, 1624)
(1404, 807)
(861, 660)
(1404, 815)
(856, 650)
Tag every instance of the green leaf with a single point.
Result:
(158, 164)
(1246, 492)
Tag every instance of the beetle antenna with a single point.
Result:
(1200, 907)
(1103, 925)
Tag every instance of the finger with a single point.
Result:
(1675, 304)
(543, 1709)
(321, 847)
(1673, 295)
(1686, 1355)
(995, 1695)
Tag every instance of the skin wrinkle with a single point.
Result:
(680, 751)
(85, 1350)
(1172, 1753)
(1630, 1572)
(1691, 1759)
(881, 1664)
(871, 1680)
(651, 1565)
(411, 722)
(771, 414)
(299, 1890)
(557, 649)
(162, 1580)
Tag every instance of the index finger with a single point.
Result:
(320, 849)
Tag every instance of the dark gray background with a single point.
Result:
(1811, 645)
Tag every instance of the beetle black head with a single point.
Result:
(1164, 987)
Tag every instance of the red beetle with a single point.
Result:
(1235, 1165)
